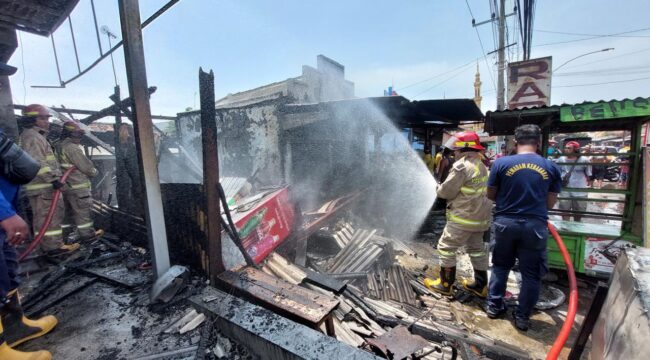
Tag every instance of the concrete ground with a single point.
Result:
(545, 325)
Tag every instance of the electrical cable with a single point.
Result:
(638, 72)
(608, 59)
(592, 37)
(440, 83)
(603, 83)
(233, 229)
(599, 35)
(482, 48)
(436, 76)
(22, 64)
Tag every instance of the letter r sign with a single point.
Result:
(529, 83)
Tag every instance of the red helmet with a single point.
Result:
(465, 139)
(73, 128)
(35, 110)
(573, 144)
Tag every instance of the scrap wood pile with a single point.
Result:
(378, 293)
(380, 300)
(354, 319)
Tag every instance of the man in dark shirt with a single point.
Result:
(524, 186)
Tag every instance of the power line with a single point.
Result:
(440, 83)
(593, 37)
(482, 48)
(598, 35)
(608, 59)
(436, 76)
(603, 83)
(608, 71)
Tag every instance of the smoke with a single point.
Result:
(356, 147)
(352, 146)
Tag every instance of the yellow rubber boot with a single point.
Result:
(19, 327)
(7, 353)
(444, 282)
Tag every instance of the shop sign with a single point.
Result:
(605, 110)
(529, 83)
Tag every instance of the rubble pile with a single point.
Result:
(103, 289)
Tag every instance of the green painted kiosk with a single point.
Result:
(612, 219)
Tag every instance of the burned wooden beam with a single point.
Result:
(271, 336)
(111, 110)
(295, 302)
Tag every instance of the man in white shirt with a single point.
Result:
(576, 173)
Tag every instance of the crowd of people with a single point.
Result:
(41, 187)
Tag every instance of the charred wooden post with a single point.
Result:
(211, 174)
(137, 77)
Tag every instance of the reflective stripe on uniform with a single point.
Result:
(67, 166)
(81, 186)
(44, 170)
(85, 226)
(476, 254)
(37, 186)
(462, 221)
(469, 191)
(446, 253)
(50, 157)
(52, 233)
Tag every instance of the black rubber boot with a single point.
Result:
(443, 284)
(479, 286)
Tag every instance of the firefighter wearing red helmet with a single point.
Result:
(76, 193)
(40, 190)
(468, 216)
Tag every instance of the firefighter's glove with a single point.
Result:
(56, 184)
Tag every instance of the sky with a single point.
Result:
(425, 49)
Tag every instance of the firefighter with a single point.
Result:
(76, 192)
(468, 216)
(40, 191)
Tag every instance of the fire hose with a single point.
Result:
(573, 298)
(48, 218)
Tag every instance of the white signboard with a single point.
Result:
(529, 83)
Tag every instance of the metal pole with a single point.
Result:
(144, 138)
(211, 174)
(99, 42)
(501, 104)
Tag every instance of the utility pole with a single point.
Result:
(501, 54)
(501, 51)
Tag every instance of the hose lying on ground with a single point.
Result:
(48, 219)
(573, 298)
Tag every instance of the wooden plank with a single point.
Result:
(280, 295)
